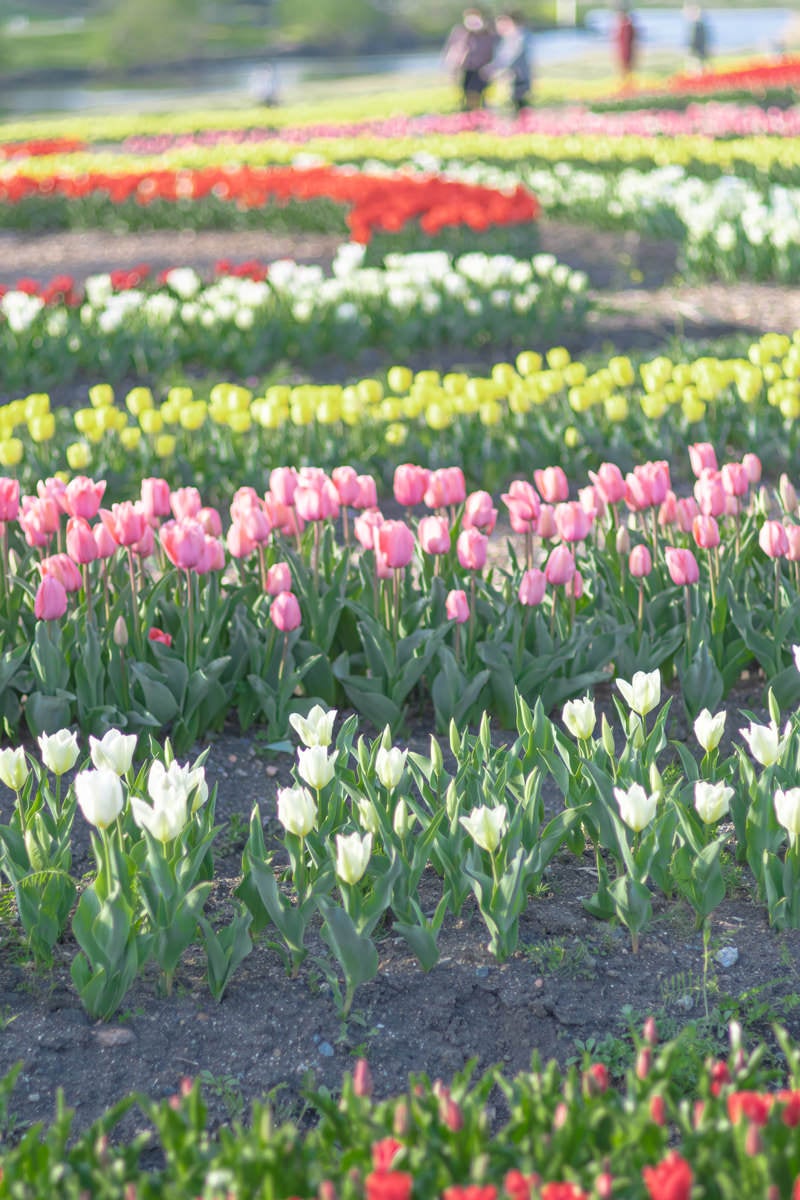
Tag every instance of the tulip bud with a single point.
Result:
(560, 1116)
(753, 1142)
(401, 822)
(451, 800)
(120, 633)
(650, 1031)
(787, 494)
(327, 1191)
(595, 1080)
(656, 782)
(658, 1112)
(735, 1035)
(13, 768)
(607, 737)
(644, 1062)
(604, 1186)
(623, 541)
(402, 1121)
(362, 1078)
(698, 1112)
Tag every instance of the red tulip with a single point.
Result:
(388, 1185)
(672, 1179)
(158, 635)
(285, 612)
(50, 602)
(682, 566)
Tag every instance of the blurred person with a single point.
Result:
(625, 41)
(697, 37)
(511, 59)
(263, 86)
(468, 51)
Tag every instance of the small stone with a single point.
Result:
(482, 972)
(326, 1049)
(685, 1002)
(110, 1036)
(728, 956)
(33, 1097)
(272, 772)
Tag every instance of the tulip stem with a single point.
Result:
(3, 560)
(397, 603)
(284, 654)
(706, 957)
(263, 567)
(87, 593)
(640, 616)
(316, 555)
(528, 549)
(345, 525)
(687, 599)
(190, 655)
(777, 583)
(134, 599)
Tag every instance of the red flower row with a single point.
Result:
(376, 203)
(36, 147)
(64, 289)
(784, 72)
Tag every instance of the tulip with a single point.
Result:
(155, 498)
(367, 496)
(317, 728)
(574, 587)
(636, 808)
(712, 800)
(640, 562)
(552, 484)
(682, 566)
(752, 464)
(9, 499)
(345, 480)
(486, 826)
(471, 549)
(185, 503)
(125, 522)
(668, 512)
(365, 525)
(580, 718)
(283, 484)
(315, 767)
(113, 752)
(793, 541)
(106, 546)
(710, 494)
(253, 521)
(643, 692)
(765, 742)
(13, 768)
(703, 457)
(622, 541)
(62, 568)
(705, 531)
(352, 856)
(50, 602)
(166, 818)
(316, 501)
(456, 606)
(546, 524)
(434, 535)
(523, 506)
(787, 809)
(573, 522)
(445, 487)
(686, 509)
(479, 512)
(773, 540)
(82, 497)
(239, 543)
(279, 579)
(410, 483)
(297, 810)
(395, 542)
(735, 479)
(285, 612)
(99, 795)
(81, 544)
(158, 635)
(183, 542)
(389, 766)
(210, 522)
(708, 730)
(59, 750)
(532, 587)
(560, 566)
(609, 482)
(170, 788)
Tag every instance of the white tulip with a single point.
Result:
(389, 766)
(352, 855)
(636, 808)
(580, 718)
(297, 810)
(765, 742)
(787, 809)
(796, 656)
(317, 728)
(643, 692)
(708, 730)
(164, 821)
(367, 815)
(315, 767)
(59, 750)
(486, 826)
(99, 795)
(712, 800)
(13, 768)
(168, 787)
(113, 752)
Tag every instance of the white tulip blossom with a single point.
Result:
(486, 826)
(113, 752)
(297, 810)
(643, 692)
(99, 795)
(317, 728)
(787, 810)
(13, 768)
(315, 767)
(712, 800)
(59, 750)
(165, 819)
(708, 729)
(636, 808)
(765, 742)
(580, 718)
(389, 766)
(352, 856)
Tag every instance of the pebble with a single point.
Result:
(685, 1002)
(482, 972)
(727, 956)
(326, 1049)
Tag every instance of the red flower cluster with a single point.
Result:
(784, 72)
(376, 203)
(757, 1106)
(63, 289)
(37, 147)
(671, 1180)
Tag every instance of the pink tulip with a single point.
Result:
(146, 545)
(185, 503)
(382, 568)
(54, 490)
(279, 579)
(574, 586)
(572, 521)
(50, 602)
(735, 479)
(647, 485)
(395, 542)
(471, 549)
(254, 522)
(106, 546)
(609, 482)
(479, 512)
(365, 525)
(345, 480)
(523, 506)
(710, 494)
(213, 556)
(9, 498)
(239, 543)
(62, 568)
(125, 522)
(285, 612)
(682, 566)
(155, 498)
(410, 483)
(686, 510)
(282, 484)
(244, 498)
(552, 484)
(455, 485)
(456, 606)
(42, 511)
(640, 562)
(183, 542)
(210, 521)
(282, 518)
(668, 510)
(591, 501)
(546, 525)
(773, 540)
(752, 464)
(703, 457)
(367, 496)
(532, 587)
(793, 542)
(434, 535)
(705, 531)
(83, 497)
(81, 546)
(34, 524)
(316, 501)
(560, 566)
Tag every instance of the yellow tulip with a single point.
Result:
(164, 445)
(399, 378)
(574, 374)
(151, 420)
(79, 455)
(370, 391)
(193, 416)
(36, 405)
(240, 422)
(130, 437)
(692, 406)
(616, 408)
(790, 407)
(528, 362)
(558, 358)
(438, 416)
(395, 434)
(101, 395)
(454, 383)
(42, 428)
(654, 405)
(504, 375)
(11, 451)
(138, 400)
(490, 413)
(622, 371)
(571, 437)
(428, 377)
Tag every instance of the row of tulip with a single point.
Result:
(244, 322)
(566, 1136)
(149, 617)
(540, 407)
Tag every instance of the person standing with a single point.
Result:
(625, 39)
(697, 39)
(467, 53)
(512, 58)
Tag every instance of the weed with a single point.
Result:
(228, 1089)
(556, 957)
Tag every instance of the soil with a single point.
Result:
(572, 984)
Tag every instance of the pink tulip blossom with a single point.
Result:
(285, 612)
(552, 484)
(640, 562)
(282, 484)
(479, 512)
(81, 544)
(702, 457)
(394, 541)
(573, 522)
(83, 497)
(456, 606)
(125, 522)
(523, 504)
(155, 499)
(773, 540)
(185, 502)
(682, 566)
(471, 549)
(365, 525)
(9, 498)
(345, 480)
(434, 535)
(50, 602)
(62, 568)
(279, 579)
(532, 587)
(367, 496)
(705, 531)
(410, 484)
(609, 482)
(560, 566)
(183, 542)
